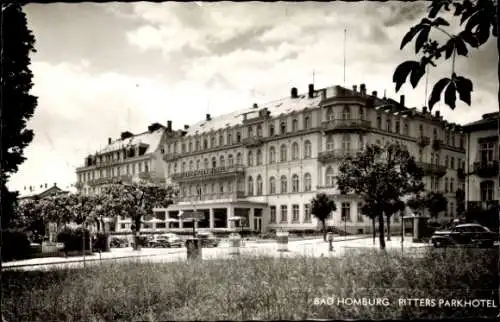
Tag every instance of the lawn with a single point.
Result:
(256, 288)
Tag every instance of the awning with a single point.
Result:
(172, 220)
(235, 218)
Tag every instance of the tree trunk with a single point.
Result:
(137, 233)
(381, 230)
(388, 218)
(374, 231)
(324, 229)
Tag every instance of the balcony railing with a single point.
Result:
(485, 169)
(338, 154)
(432, 169)
(436, 144)
(423, 141)
(171, 157)
(211, 196)
(345, 125)
(253, 141)
(110, 180)
(482, 205)
(213, 172)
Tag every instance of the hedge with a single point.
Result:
(15, 245)
(72, 238)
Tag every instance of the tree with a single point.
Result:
(367, 210)
(379, 176)
(135, 201)
(478, 20)
(435, 202)
(18, 105)
(321, 207)
(390, 208)
(417, 204)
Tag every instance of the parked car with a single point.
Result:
(117, 242)
(473, 235)
(167, 241)
(208, 239)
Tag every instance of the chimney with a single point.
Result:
(24, 187)
(255, 105)
(208, 117)
(55, 184)
(402, 100)
(362, 89)
(354, 88)
(169, 125)
(374, 93)
(186, 127)
(294, 93)
(438, 114)
(311, 90)
(45, 186)
(109, 140)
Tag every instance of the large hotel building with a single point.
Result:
(258, 168)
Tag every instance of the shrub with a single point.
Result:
(72, 238)
(15, 245)
(100, 243)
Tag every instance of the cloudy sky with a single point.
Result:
(102, 69)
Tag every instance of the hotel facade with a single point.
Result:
(258, 169)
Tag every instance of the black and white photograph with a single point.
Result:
(245, 160)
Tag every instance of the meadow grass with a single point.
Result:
(262, 288)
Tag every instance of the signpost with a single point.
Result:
(193, 246)
(195, 216)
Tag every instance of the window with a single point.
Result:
(307, 149)
(295, 213)
(238, 137)
(284, 214)
(398, 127)
(283, 127)
(259, 157)
(486, 188)
(214, 162)
(452, 163)
(361, 113)
(388, 125)
(230, 160)
(447, 138)
(452, 184)
(198, 162)
(307, 213)
(446, 185)
(307, 182)
(221, 139)
(205, 163)
(238, 158)
(346, 211)
(259, 186)
(329, 177)
(295, 183)
(435, 134)
(222, 161)
(175, 168)
(250, 186)
(229, 139)
(432, 158)
(259, 130)
(438, 161)
(379, 122)
(250, 131)
(359, 217)
(307, 122)
(212, 141)
(272, 185)
(329, 143)
(452, 209)
(183, 167)
(346, 113)
(329, 114)
(205, 144)
(406, 130)
(346, 142)
(446, 161)
(295, 151)
(462, 141)
(271, 130)
(283, 153)
(361, 142)
(272, 219)
(283, 184)
(272, 155)
(250, 158)
(183, 147)
(486, 150)
(229, 186)
(197, 145)
(295, 125)
(174, 149)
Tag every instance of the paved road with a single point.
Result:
(311, 247)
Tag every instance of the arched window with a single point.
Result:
(307, 122)
(212, 141)
(221, 187)
(214, 162)
(238, 158)
(307, 149)
(250, 158)
(406, 130)
(346, 142)
(271, 130)
(250, 131)
(398, 127)
(221, 139)
(388, 125)
(259, 185)
(175, 167)
(295, 151)
(329, 177)
(272, 185)
(229, 139)
(250, 186)
(283, 127)
(190, 147)
(175, 147)
(283, 153)
(421, 130)
(259, 157)
(295, 183)
(435, 134)
(452, 185)
(346, 113)
(230, 160)
(361, 113)
(329, 143)
(446, 185)
(295, 125)
(205, 144)
(198, 164)
(205, 163)
(197, 145)
(329, 114)
(283, 184)
(379, 122)
(183, 167)
(259, 130)
(272, 155)
(307, 182)
(222, 162)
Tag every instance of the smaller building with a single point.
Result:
(40, 191)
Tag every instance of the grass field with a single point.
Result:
(255, 288)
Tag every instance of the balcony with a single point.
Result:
(461, 173)
(235, 195)
(110, 180)
(346, 125)
(171, 157)
(482, 205)
(432, 169)
(436, 144)
(485, 169)
(253, 141)
(217, 172)
(423, 141)
(335, 155)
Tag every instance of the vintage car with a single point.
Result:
(208, 239)
(471, 235)
(117, 242)
(167, 241)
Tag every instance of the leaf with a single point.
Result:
(470, 38)
(402, 71)
(450, 96)
(409, 36)
(436, 91)
(436, 6)
(464, 88)
(440, 22)
(461, 47)
(422, 38)
(417, 75)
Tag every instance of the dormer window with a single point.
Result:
(283, 127)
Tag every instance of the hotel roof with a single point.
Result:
(151, 139)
